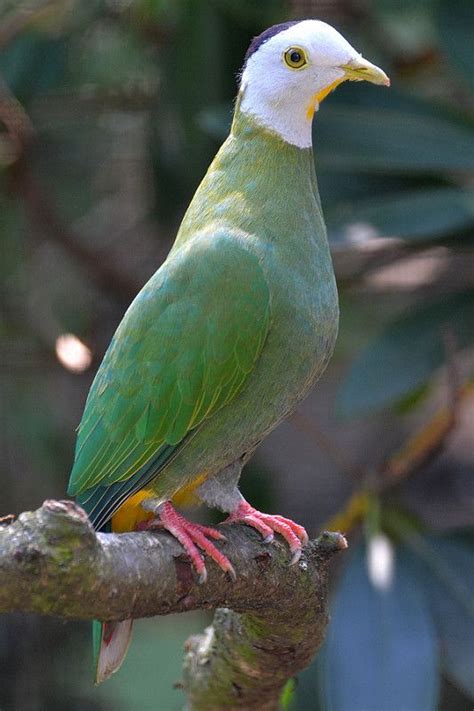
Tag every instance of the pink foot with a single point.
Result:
(267, 524)
(191, 536)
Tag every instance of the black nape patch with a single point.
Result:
(265, 36)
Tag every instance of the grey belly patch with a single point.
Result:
(221, 490)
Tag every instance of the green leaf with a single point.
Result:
(390, 140)
(412, 400)
(380, 651)
(455, 20)
(405, 355)
(446, 570)
(287, 697)
(417, 216)
(340, 190)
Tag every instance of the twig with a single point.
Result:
(453, 375)
(425, 444)
(417, 452)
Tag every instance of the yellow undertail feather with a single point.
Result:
(187, 495)
(131, 513)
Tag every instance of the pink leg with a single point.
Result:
(266, 524)
(191, 536)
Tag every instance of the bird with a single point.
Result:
(231, 332)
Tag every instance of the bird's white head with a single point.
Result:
(290, 68)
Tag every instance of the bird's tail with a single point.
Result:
(110, 643)
(111, 639)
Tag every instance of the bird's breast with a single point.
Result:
(304, 324)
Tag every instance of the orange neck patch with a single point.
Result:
(320, 96)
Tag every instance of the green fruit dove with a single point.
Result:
(232, 331)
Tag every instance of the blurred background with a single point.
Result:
(110, 112)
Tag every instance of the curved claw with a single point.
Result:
(266, 524)
(232, 574)
(192, 536)
(295, 557)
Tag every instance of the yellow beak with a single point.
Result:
(362, 70)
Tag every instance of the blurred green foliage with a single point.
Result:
(110, 111)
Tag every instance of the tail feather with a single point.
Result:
(110, 643)
(110, 640)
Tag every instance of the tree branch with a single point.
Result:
(52, 562)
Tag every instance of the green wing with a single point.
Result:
(183, 350)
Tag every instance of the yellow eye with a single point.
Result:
(295, 58)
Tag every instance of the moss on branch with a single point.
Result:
(273, 618)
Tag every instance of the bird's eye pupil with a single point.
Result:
(295, 58)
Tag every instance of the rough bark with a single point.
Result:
(272, 622)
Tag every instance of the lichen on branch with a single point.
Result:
(273, 618)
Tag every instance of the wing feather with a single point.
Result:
(183, 350)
